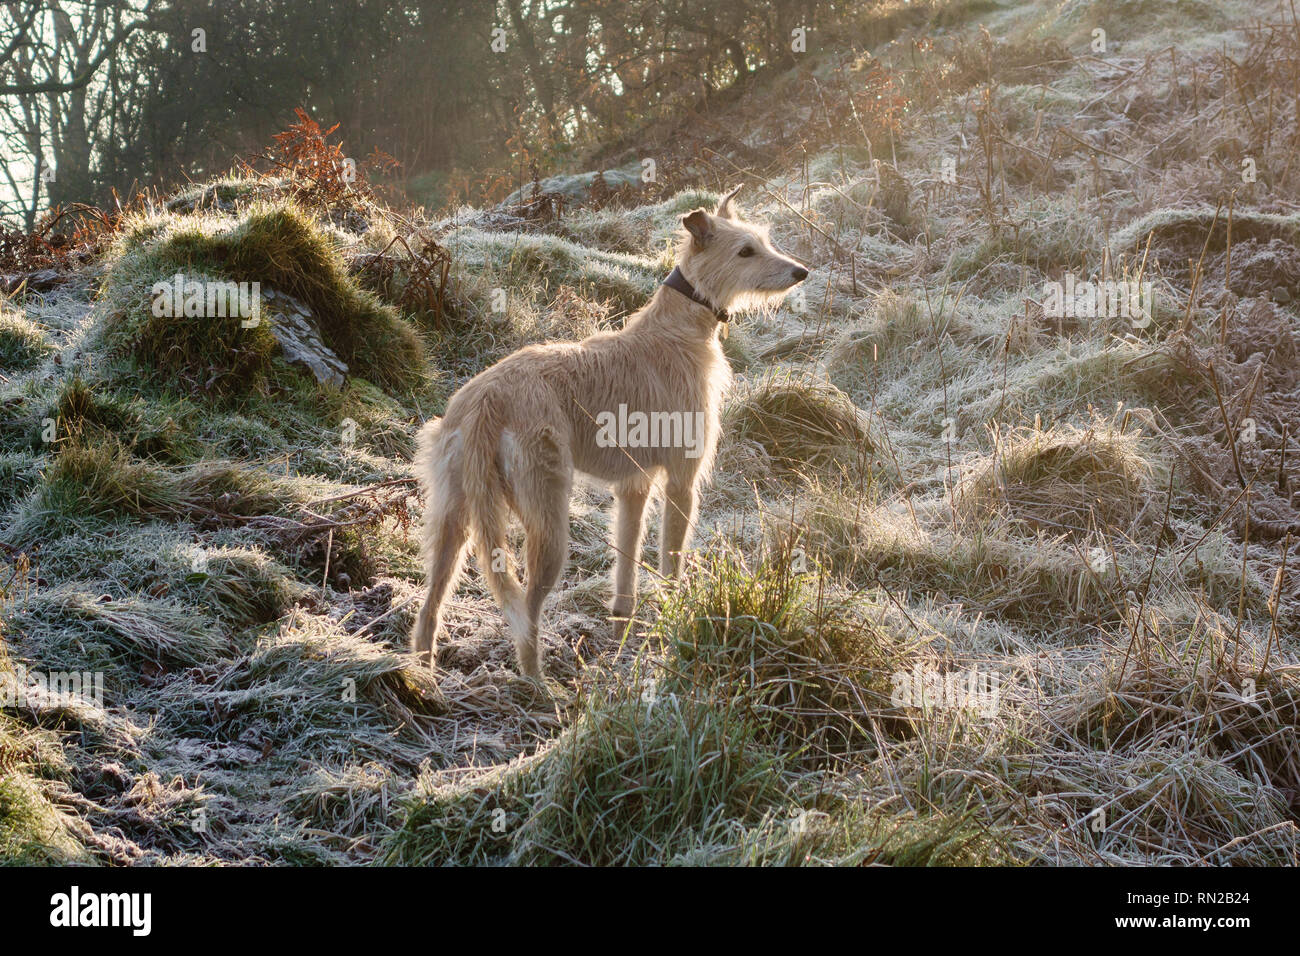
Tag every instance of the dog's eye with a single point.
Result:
(746, 251)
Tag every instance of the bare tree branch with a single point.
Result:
(84, 77)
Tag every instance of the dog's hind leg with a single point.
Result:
(497, 564)
(447, 534)
(629, 533)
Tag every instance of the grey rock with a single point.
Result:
(295, 328)
(42, 280)
(577, 187)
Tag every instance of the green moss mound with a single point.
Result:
(22, 344)
(91, 483)
(33, 831)
(279, 247)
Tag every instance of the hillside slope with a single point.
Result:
(980, 580)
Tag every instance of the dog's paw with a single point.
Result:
(534, 692)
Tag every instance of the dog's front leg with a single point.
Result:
(629, 531)
(679, 518)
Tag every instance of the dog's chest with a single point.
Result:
(699, 376)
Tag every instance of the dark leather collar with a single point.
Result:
(677, 282)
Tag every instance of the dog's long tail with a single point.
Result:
(486, 497)
(445, 529)
(465, 495)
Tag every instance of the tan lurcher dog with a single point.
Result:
(635, 409)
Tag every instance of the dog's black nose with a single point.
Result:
(800, 274)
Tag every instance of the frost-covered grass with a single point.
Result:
(926, 483)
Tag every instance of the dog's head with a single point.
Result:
(733, 263)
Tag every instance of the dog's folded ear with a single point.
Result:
(727, 208)
(699, 225)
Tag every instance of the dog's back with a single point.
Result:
(574, 387)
